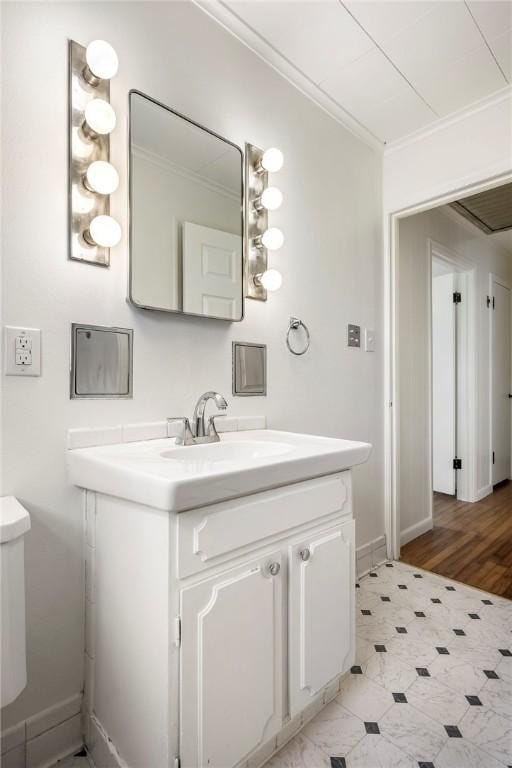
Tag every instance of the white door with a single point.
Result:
(444, 448)
(212, 272)
(322, 613)
(501, 383)
(231, 664)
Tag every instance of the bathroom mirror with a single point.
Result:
(186, 215)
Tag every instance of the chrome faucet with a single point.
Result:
(198, 432)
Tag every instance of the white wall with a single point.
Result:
(457, 235)
(331, 266)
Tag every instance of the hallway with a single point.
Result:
(471, 543)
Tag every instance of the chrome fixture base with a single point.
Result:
(85, 146)
(198, 433)
(256, 223)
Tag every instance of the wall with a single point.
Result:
(331, 265)
(459, 151)
(455, 234)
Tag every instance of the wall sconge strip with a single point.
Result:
(256, 222)
(84, 149)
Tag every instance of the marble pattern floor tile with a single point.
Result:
(412, 733)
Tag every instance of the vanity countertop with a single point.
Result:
(160, 474)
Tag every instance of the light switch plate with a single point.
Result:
(22, 351)
(369, 340)
(354, 335)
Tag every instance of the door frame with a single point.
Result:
(493, 278)
(391, 350)
(466, 398)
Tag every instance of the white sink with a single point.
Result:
(161, 474)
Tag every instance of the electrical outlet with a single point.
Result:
(353, 335)
(22, 351)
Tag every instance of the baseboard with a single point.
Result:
(42, 739)
(370, 555)
(416, 530)
(101, 750)
(486, 490)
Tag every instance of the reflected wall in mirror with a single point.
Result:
(186, 215)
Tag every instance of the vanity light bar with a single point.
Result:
(260, 198)
(92, 178)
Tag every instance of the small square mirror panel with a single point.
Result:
(186, 215)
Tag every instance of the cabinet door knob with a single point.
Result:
(305, 554)
(274, 568)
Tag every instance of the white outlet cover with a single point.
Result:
(12, 349)
(369, 340)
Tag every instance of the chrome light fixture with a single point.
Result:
(260, 238)
(92, 178)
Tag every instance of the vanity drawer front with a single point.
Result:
(212, 532)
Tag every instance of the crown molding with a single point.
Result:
(451, 119)
(252, 40)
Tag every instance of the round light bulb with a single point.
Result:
(272, 238)
(271, 198)
(100, 117)
(271, 280)
(104, 231)
(272, 160)
(101, 59)
(101, 177)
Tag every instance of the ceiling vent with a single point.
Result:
(490, 211)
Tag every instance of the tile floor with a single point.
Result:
(431, 686)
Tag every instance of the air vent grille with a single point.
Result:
(491, 211)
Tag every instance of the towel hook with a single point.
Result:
(293, 325)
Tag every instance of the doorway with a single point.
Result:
(501, 394)
(452, 386)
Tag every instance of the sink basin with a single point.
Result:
(197, 455)
(160, 474)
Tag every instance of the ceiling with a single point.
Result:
(490, 211)
(388, 67)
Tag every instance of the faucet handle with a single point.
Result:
(186, 437)
(212, 429)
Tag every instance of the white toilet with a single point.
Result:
(14, 523)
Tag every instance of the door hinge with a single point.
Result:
(177, 762)
(493, 457)
(457, 297)
(457, 463)
(489, 302)
(177, 631)
(493, 302)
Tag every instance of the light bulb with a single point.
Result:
(272, 238)
(272, 160)
(271, 198)
(102, 62)
(104, 231)
(101, 177)
(271, 279)
(100, 118)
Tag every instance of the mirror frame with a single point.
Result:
(136, 92)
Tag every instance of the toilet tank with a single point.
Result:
(14, 523)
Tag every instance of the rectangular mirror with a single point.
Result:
(186, 215)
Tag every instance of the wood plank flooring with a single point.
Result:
(471, 543)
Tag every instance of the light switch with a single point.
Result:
(354, 335)
(22, 351)
(369, 340)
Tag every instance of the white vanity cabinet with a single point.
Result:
(213, 633)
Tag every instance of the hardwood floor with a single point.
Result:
(471, 543)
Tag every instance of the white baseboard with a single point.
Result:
(101, 750)
(416, 530)
(486, 490)
(370, 555)
(42, 739)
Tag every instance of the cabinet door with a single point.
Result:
(322, 612)
(231, 664)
